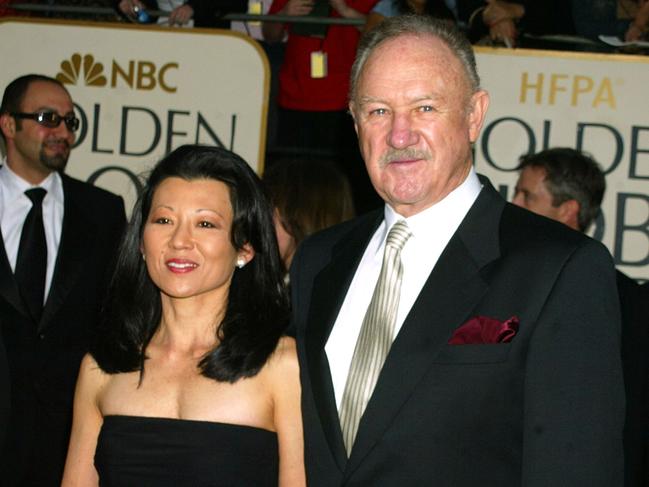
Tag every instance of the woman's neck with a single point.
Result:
(188, 325)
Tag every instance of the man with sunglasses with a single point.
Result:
(59, 237)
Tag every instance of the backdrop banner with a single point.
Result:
(597, 103)
(141, 91)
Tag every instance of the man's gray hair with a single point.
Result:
(416, 25)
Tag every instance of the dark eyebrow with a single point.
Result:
(52, 110)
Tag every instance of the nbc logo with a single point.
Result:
(92, 72)
(136, 75)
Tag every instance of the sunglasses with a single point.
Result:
(51, 119)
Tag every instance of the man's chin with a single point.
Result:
(55, 162)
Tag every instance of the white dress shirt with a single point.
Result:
(431, 231)
(14, 206)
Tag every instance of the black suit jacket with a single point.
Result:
(5, 394)
(546, 409)
(635, 350)
(44, 357)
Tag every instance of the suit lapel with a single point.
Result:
(447, 299)
(325, 305)
(8, 287)
(76, 238)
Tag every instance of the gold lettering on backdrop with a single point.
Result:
(580, 85)
(537, 87)
(117, 70)
(161, 77)
(145, 75)
(555, 87)
(605, 94)
(578, 89)
(142, 75)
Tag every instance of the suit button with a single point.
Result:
(41, 336)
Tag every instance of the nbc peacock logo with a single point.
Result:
(82, 68)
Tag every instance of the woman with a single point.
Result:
(308, 195)
(191, 381)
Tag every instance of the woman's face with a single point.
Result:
(186, 240)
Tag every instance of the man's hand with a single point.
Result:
(130, 7)
(297, 7)
(496, 11)
(639, 25)
(504, 31)
(275, 31)
(501, 19)
(181, 15)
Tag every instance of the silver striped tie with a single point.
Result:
(376, 335)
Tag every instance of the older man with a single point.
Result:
(450, 339)
(59, 237)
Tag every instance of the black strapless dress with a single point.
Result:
(134, 451)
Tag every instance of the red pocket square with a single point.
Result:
(482, 329)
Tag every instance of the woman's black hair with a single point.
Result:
(257, 310)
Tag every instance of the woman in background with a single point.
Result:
(308, 195)
(191, 381)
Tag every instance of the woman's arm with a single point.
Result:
(345, 10)
(287, 414)
(274, 31)
(87, 420)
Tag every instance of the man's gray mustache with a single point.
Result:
(403, 154)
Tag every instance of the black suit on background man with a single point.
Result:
(80, 226)
(568, 186)
(635, 355)
(5, 392)
(44, 358)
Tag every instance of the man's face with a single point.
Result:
(532, 193)
(416, 120)
(33, 150)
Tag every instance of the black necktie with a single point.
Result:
(31, 264)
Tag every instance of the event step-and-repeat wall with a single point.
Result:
(597, 103)
(141, 91)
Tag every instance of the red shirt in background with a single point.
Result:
(297, 89)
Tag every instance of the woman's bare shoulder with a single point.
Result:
(91, 376)
(283, 362)
(285, 351)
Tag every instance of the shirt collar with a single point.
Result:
(444, 216)
(15, 186)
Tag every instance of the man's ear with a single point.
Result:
(568, 213)
(477, 112)
(353, 114)
(8, 125)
